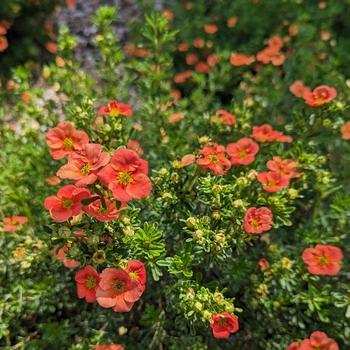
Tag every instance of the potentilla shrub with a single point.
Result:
(27, 32)
(183, 221)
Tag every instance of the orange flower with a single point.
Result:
(176, 117)
(61, 255)
(345, 131)
(14, 223)
(265, 133)
(243, 151)
(319, 96)
(286, 167)
(87, 280)
(182, 47)
(191, 59)
(223, 325)
(223, 117)
(51, 47)
(180, 78)
(135, 146)
(168, 14)
(272, 181)
(3, 43)
(318, 341)
(116, 109)
(202, 67)
(257, 220)
(276, 42)
(53, 180)
(298, 88)
(213, 59)
(240, 59)
(108, 347)
(211, 28)
(263, 264)
(214, 158)
(323, 259)
(231, 22)
(198, 43)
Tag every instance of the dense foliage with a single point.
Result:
(222, 169)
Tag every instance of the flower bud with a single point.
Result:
(238, 203)
(204, 140)
(293, 193)
(216, 188)
(191, 222)
(128, 231)
(286, 263)
(99, 257)
(220, 237)
(198, 234)
(216, 215)
(198, 306)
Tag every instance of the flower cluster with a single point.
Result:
(103, 185)
(113, 288)
(319, 96)
(317, 341)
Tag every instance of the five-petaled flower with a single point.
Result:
(84, 165)
(87, 280)
(14, 223)
(298, 88)
(116, 109)
(240, 59)
(257, 220)
(223, 117)
(265, 133)
(66, 203)
(126, 176)
(101, 213)
(285, 167)
(65, 139)
(137, 271)
(61, 255)
(319, 96)
(118, 290)
(272, 181)
(214, 158)
(223, 324)
(323, 259)
(345, 131)
(243, 151)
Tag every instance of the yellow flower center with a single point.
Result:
(322, 260)
(68, 144)
(242, 154)
(67, 203)
(213, 158)
(113, 111)
(133, 275)
(85, 170)
(90, 282)
(118, 286)
(124, 178)
(222, 322)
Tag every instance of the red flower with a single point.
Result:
(319, 341)
(211, 28)
(239, 59)
(126, 176)
(257, 220)
(243, 151)
(67, 203)
(111, 212)
(61, 255)
(285, 167)
(293, 346)
(83, 165)
(298, 88)
(345, 131)
(65, 139)
(117, 290)
(272, 181)
(320, 95)
(214, 158)
(265, 133)
(223, 324)
(137, 271)
(108, 347)
(263, 264)
(14, 223)
(116, 109)
(87, 280)
(323, 259)
(223, 117)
